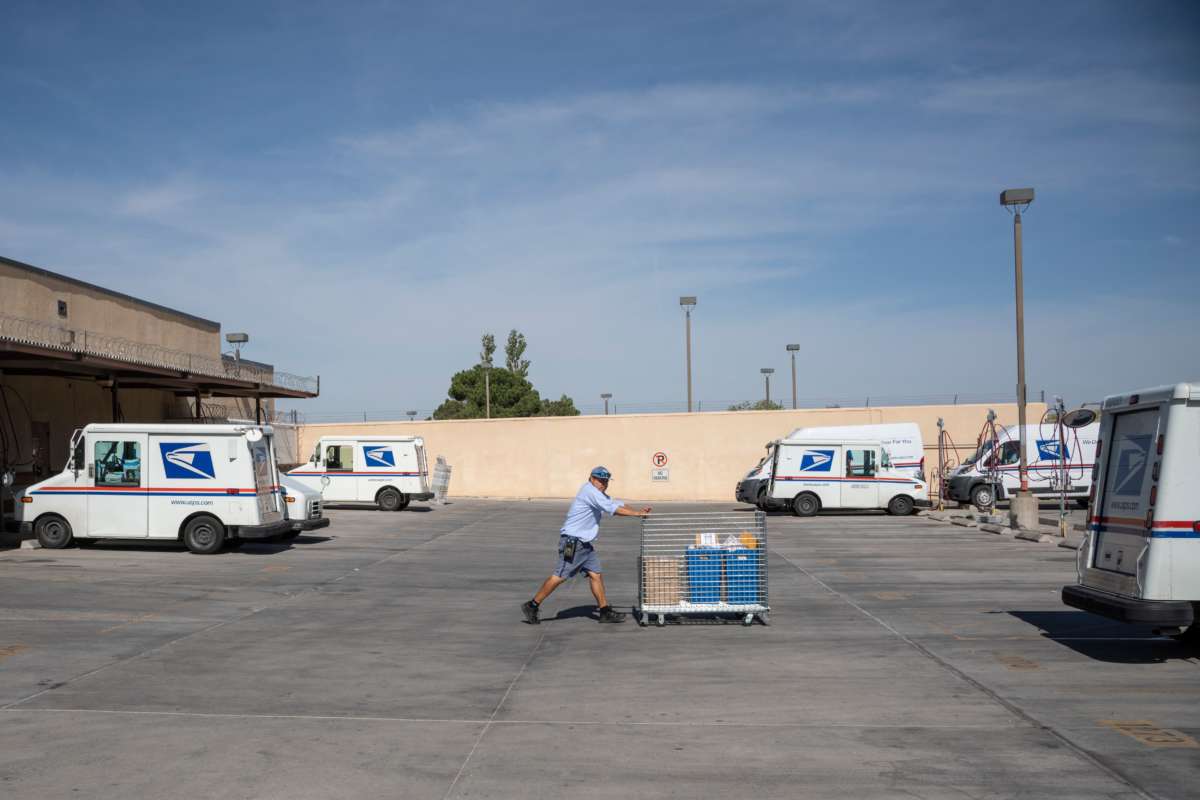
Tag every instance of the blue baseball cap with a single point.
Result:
(602, 473)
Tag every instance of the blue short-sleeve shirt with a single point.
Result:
(583, 517)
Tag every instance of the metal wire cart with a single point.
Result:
(703, 564)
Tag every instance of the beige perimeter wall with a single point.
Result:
(707, 453)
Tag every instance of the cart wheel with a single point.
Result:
(662, 620)
(748, 620)
(764, 618)
(641, 619)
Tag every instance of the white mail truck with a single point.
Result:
(902, 440)
(386, 471)
(205, 485)
(1140, 558)
(811, 474)
(302, 507)
(993, 472)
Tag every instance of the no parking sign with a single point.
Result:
(660, 471)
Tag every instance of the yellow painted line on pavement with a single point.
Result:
(1150, 734)
(275, 568)
(1017, 662)
(8, 650)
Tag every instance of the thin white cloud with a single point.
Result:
(159, 200)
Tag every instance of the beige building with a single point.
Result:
(706, 453)
(73, 353)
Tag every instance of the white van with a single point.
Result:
(808, 475)
(205, 485)
(387, 471)
(1140, 559)
(302, 507)
(902, 440)
(753, 488)
(989, 476)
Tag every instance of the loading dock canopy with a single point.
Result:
(35, 348)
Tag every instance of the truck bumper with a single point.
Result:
(959, 489)
(922, 504)
(421, 496)
(265, 531)
(1163, 613)
(747, 491)
(26, 529)
(303, 525)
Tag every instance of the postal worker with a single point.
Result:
(576, 545)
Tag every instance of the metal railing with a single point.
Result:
(55, 337)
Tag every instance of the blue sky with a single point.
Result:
(367, 189)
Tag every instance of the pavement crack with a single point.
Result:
(1012, 708)
(491, 719)
(287, 598)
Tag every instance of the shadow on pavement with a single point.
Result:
(1105, 640)
(574, 612)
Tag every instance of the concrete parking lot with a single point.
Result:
(385, 657)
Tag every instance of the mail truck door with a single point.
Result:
(860, 489)
(118, 491)
(1125, 496)
(338, 478)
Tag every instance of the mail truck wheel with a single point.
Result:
(53, 532)
(204, 535)
(900, 506)
(806, 505)
(390, 500)
(983, 496)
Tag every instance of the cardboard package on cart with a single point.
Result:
(663, 579)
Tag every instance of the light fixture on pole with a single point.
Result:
(1023, 508)
(606, 397)
(237, 340)
(411, 415)
(767, 371)
(792, 349)
(688, 303)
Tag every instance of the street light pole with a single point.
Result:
(1018, 200)
(688, 303)
(792, 348)
(766, 372)
(606, 396)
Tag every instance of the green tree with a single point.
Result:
(761, 405)
(489, 349)
(562, 407)
(513, 350)
(512, 394)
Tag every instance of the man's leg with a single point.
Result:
(606, 612)
(551, 583)
(597, 582)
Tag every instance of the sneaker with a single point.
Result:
(531, 613)
(608, 615)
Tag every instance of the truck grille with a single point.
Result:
(314, 509)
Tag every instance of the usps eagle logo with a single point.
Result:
(1048, 450)
(816, 461)
(379, 456)
(1133, 454)
(191, 460)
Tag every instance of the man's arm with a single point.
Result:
(625, 511)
